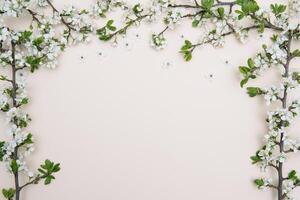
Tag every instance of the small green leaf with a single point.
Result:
(254, 91)
(207, 4)
(14, 166)
(296, 53)
(261, 28)
(137, 8)
(251, 63)
(47, 181)
(28, 140)
(241, 14)
(278, 9)
(34, 62)
(8, 193)
(195, 23)
(292, 174)
(38, 41)
(103, 35)
(2, 153)
(56, 168)
(186, 50)
(24, 101)
(25, 36)
(221, 12)
(109, 25)
(255, 159)
(188, 56)
(259, 182)
(248, 6)
(187, 45)
(243, 82)
(244, 70)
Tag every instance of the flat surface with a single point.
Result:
(128, 126)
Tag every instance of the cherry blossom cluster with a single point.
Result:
(215, 17)
(279, 144)
(24, 51)
(218, 19)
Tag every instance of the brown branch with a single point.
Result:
(197, 6)
(34, 16)
(284, 102)
(129, 24)
(34, 181)
(14, 94)
(230, 33)
(68, 25)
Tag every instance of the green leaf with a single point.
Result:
(292, 174)
(254, 91)
(241, 14)
(43, 172)
(221, 12)
(259, 182)
(14, 166)
(186, 50)
(248, 6)
(24, 101)
(136, 8)
(34, 62)
(243, 82)
(2, 153)
(47, 170)
(25, 36)
(261, 28)
(278, 9)
(255, 159)
(28, 140)
(47, 180)
(8, 193)
(38, 41)
(103, 35)
(195, 23)
(296, 53)
(188, 56)
(207, 4)
(296, 76)
(244, 70)
(187, 45)
(109, 25)
(250, 63)
(109, 22)
(56, 168)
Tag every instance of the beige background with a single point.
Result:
(125, 126)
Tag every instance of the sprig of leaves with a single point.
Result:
(47, 170)
(207, 4)
(104, 32)
(256, 158)
(293, 177)
(278, 9)
(259, 183)
(247, 72)
(247, 7)
(254, 91)
(187, 50)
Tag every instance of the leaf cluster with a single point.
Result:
(247, 72)
(104, 32)
(47, 170)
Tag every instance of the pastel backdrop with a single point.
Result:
(131, 123)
